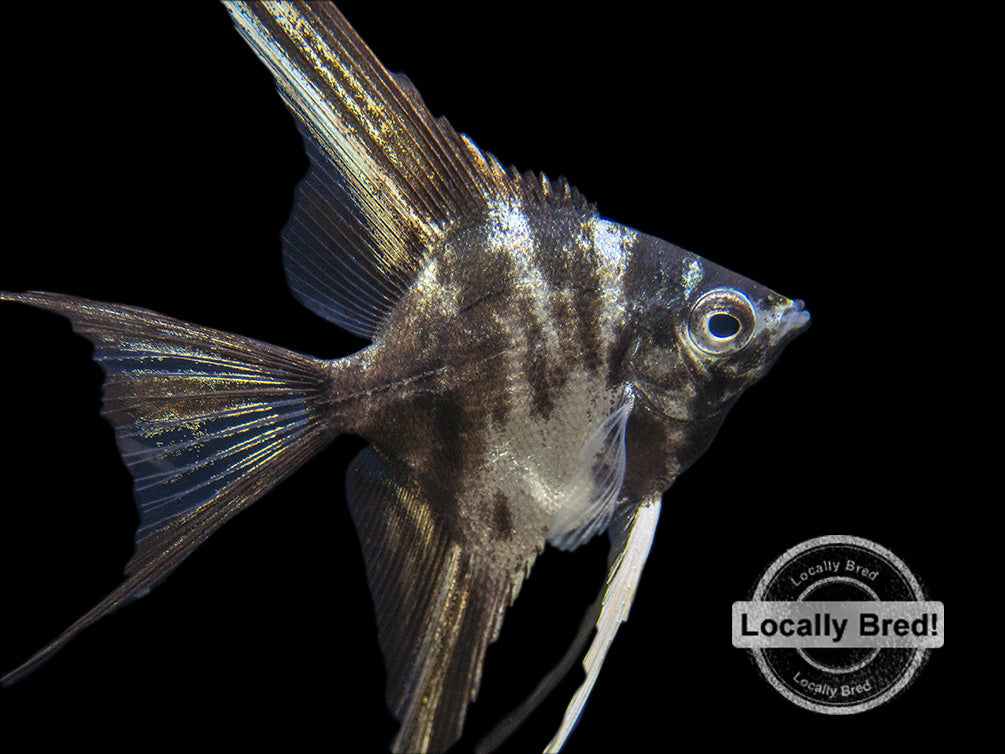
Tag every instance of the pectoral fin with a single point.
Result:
(589, 499)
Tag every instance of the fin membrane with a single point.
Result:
(387, 180)
(437, 609)
(206, 422)
(589, 498)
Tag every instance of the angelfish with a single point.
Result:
(537, 375)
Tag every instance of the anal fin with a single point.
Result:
(437, 607)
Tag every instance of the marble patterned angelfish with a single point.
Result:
(536, 375)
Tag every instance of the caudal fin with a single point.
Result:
(207, 423)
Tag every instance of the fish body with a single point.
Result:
(537, 375)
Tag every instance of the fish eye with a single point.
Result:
(722, 321)
(723, 325)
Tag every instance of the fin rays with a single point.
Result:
(438, 608)
(387, 180)
(206, 423)
(590, 496)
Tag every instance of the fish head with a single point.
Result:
(699, 335)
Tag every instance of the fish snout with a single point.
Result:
(785, 320)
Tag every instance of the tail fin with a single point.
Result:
(207, 423)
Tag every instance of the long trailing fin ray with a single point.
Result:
(631, 532)
(437, 607)
(631, 539)
(387, 179)
(206, 422)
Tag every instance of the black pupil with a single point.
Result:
(723, 325)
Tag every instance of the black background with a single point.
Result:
(153, 164)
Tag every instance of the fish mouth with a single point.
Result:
(786, 320)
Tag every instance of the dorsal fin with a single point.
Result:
(386, 181)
